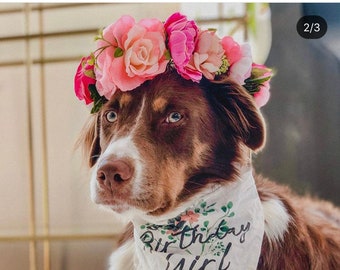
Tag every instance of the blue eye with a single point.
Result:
(111, 116)
(173, 117)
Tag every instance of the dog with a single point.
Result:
(172, 143)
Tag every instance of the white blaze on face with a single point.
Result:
(122, 148)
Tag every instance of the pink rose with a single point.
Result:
(239, 58)
(182, 35)
(208, 54)
(133, 53)
(83, 78)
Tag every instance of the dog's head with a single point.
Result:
(156, 146)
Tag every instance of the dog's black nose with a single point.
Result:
(111, 172)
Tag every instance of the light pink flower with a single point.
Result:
(241, 69)
(208, 54)
(83, 78)
(132, 53)
(232, 50)
(261, 97)
(182, 35)
(239, 58)
(105, 78)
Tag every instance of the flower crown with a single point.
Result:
(130, 53)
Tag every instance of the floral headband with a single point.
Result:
(130, 53)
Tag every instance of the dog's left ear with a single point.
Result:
(89, 139)
(237, 110)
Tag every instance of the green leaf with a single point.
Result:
(90, 73)
(231, 214)
(203, 204)
(98, 100)
(224, 228)
(118, 52)
(206, 223)
(257, 80)
(167, 55)
(230, 205)
(97, 105)
(224, 208)
(92, 60)
(93, 92)
(99, 36)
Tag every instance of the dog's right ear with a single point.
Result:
(236, 109)
(90, 139)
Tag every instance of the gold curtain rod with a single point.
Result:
(46, 7)
(61, 237)
(41, 61)
(96, 30)
(48, 35)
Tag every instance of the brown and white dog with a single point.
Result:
(159, 146)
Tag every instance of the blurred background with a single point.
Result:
(47, 220)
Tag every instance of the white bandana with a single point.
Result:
(221, 229)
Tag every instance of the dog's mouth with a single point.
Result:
(121, 199)
(117, 202)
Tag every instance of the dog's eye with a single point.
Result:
(111, 116)
(173, 117)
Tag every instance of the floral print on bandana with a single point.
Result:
(194, 222)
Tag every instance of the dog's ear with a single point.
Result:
(237, 110)
(90, 140)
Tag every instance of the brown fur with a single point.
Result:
(219, 128)
(312, 240)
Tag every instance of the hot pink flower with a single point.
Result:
(132, 53)
(83, 78)
(208, 54)
(239, 58)
(182, 35)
